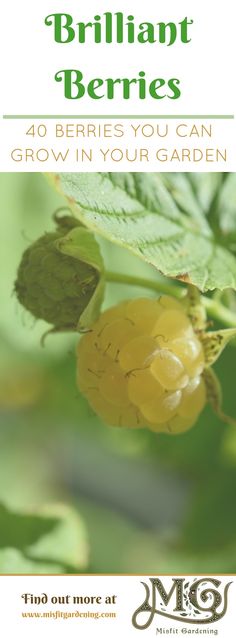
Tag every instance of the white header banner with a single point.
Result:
(88, 87)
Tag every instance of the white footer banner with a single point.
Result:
(109, 605)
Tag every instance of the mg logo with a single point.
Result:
(199, 601)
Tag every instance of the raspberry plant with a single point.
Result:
(141, 366)
(145, 362)
(60, 279)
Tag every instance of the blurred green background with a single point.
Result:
(146, 502)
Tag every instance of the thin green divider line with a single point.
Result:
(118, 117)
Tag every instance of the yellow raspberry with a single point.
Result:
(141, 366)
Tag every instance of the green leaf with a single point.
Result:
(214, 396)
(206, 186)
(215, 342)
(167, 219)
(67, 544)
(185, 194)
(225, 211)
(12, 561)
(22, 529)
(81, 244)
(53, 537)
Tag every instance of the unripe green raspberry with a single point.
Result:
(52, 285)
(141, 365)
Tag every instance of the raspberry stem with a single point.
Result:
(142, 282)
(215, 309)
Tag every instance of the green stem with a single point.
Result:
(142, 282)
(215, 309)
